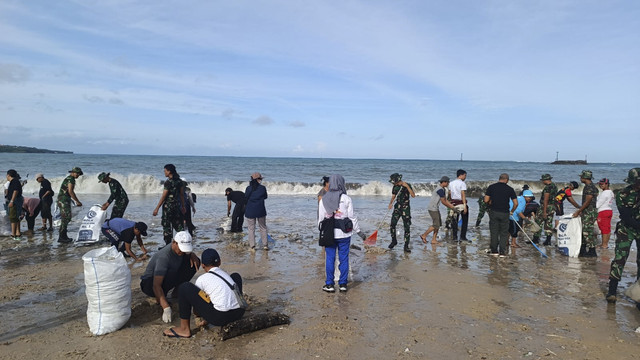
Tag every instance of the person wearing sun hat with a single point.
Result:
(627, 230)
(547, 210)
(588, 214)
(65, 195)
(118, 196)
(171, 266)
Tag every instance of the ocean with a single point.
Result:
(292, 185)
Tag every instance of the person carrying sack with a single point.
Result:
(337, 204)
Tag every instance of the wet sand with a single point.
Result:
(446, 302)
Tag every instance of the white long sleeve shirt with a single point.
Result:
(345, 210)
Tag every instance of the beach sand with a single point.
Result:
(447, 302)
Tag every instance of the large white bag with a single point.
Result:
(107, 279)
(5, 224)
(89, 231)
(569, 235)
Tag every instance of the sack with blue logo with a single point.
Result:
(569, 235)
(89, 232)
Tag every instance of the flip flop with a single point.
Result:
(174, 334)
(424, 239)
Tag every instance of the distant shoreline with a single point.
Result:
(569, 162)
(29, 150)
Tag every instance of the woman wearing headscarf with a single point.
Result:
(172, 202)
(14, 201)
(338, 204)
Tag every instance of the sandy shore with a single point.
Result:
(447, 302)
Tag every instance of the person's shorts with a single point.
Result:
(604, 221)
(45, 210)
(436, 220)
(14, 216)
(559, 209)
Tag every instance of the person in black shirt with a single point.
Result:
(46, 199)
(14, 201)
(238, 210)
(497, 196)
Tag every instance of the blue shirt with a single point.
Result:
(118, 225)
(522, 203)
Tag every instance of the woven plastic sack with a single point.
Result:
(107, 279)
(569, 235)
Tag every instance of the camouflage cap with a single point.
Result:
(102, 176)
(76, 170)
(395, 177)
(546, 177)
(633, 177)
(586, 174)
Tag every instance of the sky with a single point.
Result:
(423, 79)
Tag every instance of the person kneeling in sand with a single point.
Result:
(438, 196)
(211, 298)
(173, 265)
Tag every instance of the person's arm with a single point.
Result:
(602, 200)
(393, 196)
(487, 199)
(183, 205)
(464, 201)
(141, 244)
(413, 194)
(573, 202)
(514, 206)
(545, 202)
(13, 197)
(158, 292)
(446, 202)
(73, 194)
(195, 261)
(587, 201)
(322, 212)
(228, 207)
(165, 193)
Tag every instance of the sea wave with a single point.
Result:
(148, 184)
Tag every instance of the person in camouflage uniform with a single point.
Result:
(627, 230)
(588, 214)
(401, 192)
(118, 196)
(172, 202)
(482, 208)
(65, 195)
(544, 217)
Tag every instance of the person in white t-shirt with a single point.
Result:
(604, 204)
(458, 191)
(211, 297)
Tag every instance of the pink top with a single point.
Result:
(30, 205)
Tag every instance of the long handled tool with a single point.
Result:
(530, 241)
(371, 240)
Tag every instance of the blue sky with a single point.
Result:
(494, 80)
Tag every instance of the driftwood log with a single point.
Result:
(252, 323)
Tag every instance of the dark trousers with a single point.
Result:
(237, 218)
(499, 228)
(31, 220)
(171, 280)
(465, 222)
(189, 295)
(514, 229)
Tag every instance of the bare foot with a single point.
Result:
(514, 245)
(434, 242)
(200, 322)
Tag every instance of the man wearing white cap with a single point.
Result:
(168, 268)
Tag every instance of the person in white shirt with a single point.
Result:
(338, 204)
(211, 297)
(604, 204)
(458, 189)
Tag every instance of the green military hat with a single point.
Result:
(586, 174)
(395, 177)
(633, 177)
(76, 170)
(102, 176)
(546, 177)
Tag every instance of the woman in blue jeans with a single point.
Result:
(337, 203)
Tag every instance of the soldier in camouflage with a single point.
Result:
(588, 214)
(401, 192)
(627, 230)
(65, 195)
(544, 217)
(482, 208)
(172, 202)
(118, 196)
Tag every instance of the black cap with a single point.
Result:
(142, 227)
(210, 257)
